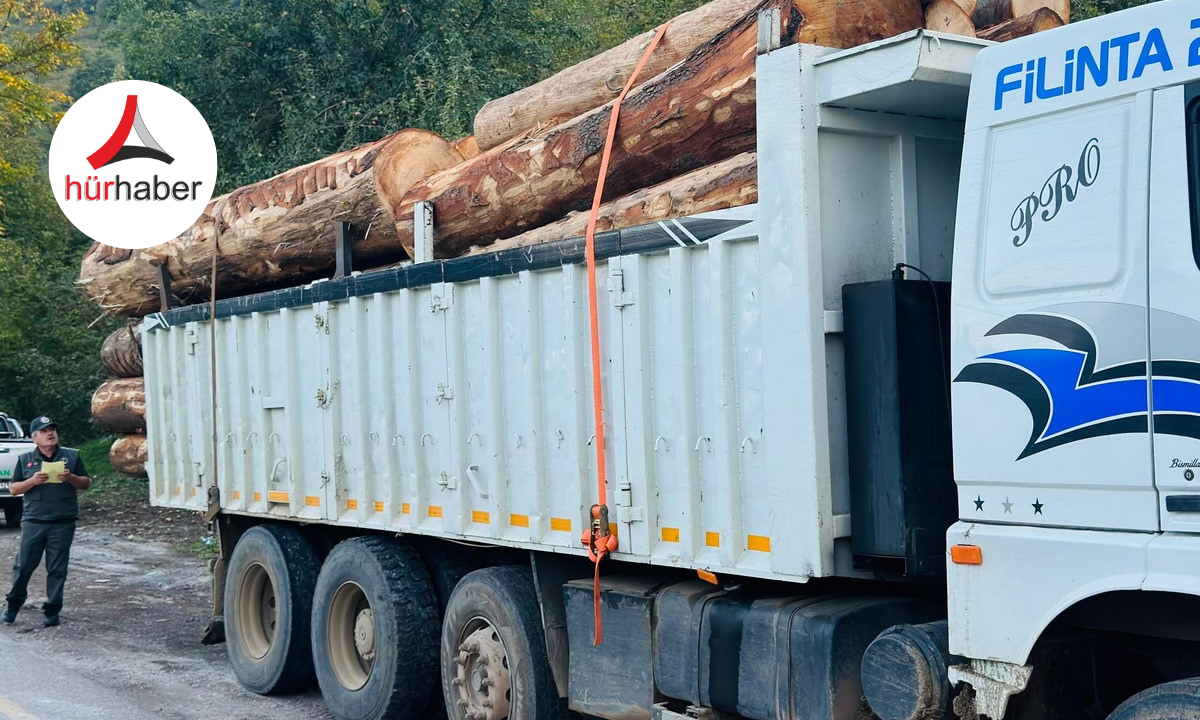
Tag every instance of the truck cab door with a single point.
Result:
(1050, 330)
(1175, 304)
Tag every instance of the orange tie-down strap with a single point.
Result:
(596, 536)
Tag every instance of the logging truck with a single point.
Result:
(915, 435)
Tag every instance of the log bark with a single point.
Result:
(276, 232)
(994, 12)
(119, 405)
(948, 16)
(121, 352)
(697, 113)
(1035, 22)
(128, 455)
(727, 184)
(597, 80)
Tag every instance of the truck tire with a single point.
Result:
(375, 631)
(1179, 700)
(494, 663)
(268, 602)
(13, 513)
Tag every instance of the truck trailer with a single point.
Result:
(914, 436)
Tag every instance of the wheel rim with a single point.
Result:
(483, 677)
(352, 638)
(257, 611)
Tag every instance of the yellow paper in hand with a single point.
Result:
(54, 470)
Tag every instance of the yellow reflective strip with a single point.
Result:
(257, 497)
(435, 511)
(712, 539)
(758, 543)
(481, 517)
(406, 509)
(277, 497)
(560, 524)
(670, 534)
(237, 494)
(351, 504)
(518, 520)
(378, 506)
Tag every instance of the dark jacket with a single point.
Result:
(50, 502)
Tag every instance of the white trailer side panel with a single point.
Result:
(464, 409)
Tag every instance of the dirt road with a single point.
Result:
(129, 646)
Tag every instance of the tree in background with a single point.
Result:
(283, 82)
(1084, 9)
(35, 42)
(49, 359)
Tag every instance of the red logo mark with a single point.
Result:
(115, 150)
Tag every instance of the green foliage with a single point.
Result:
(94, 454)
(49, 348)
(282, 82)
(35, 42)
(1084, 9)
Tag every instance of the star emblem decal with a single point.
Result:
(978, 503)
(1037, 506)
(1007, 507)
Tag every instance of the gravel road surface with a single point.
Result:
(129, 645)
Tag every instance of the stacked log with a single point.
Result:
(119, 404)
(128, 455)
(731, 183)
(686, 140)
(996, 20)
(121, 352)
(273, 233)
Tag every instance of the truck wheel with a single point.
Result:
(374, 631)
(268, 600)
(1179, 700)
(494, 662)
(13, 513)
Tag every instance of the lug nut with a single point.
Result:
(486, 703)
(462, 703)
(456, 682)
(483, 660)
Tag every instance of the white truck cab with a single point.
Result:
(1076, 334)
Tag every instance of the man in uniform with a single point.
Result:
(50, 478)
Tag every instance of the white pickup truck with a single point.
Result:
(12, 443)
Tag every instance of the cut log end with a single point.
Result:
(1035, 22)
(119, 405)
(128, 455)
(122, 352)
(948, 16)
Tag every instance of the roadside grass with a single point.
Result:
(109, 488)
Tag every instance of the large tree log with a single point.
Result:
(697, 113)
(597, 80)
(948, 16)
(1035, 22)
(128, 455)
(119, 405)
(994, 12)
(122, 351)
(275, 232)
(727, 184)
